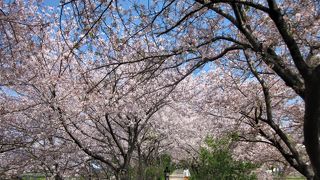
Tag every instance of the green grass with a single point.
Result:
(290, 178)
(33, 178)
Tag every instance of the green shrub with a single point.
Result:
(216, 162)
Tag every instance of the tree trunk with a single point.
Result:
(124, 172)
(140, 174)
(116, 174)
(58, 177)
(124, 175)
(311, 120)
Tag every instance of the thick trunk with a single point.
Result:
(124, 175)
(58, 177)
(311, 121)
(116, 175)
(140, 174)
(125, 171)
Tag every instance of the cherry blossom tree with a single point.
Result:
(238, 105)
(73, 99)
(231, 30)
(98, 73)
(281, 36)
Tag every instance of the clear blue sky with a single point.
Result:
(51, 2)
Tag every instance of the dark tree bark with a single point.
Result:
(312, 118)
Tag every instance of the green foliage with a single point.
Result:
(34, 177)
(165, 161)
(155, 170)
(153, 173)
(216, 162)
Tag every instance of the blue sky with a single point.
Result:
(51, 2)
